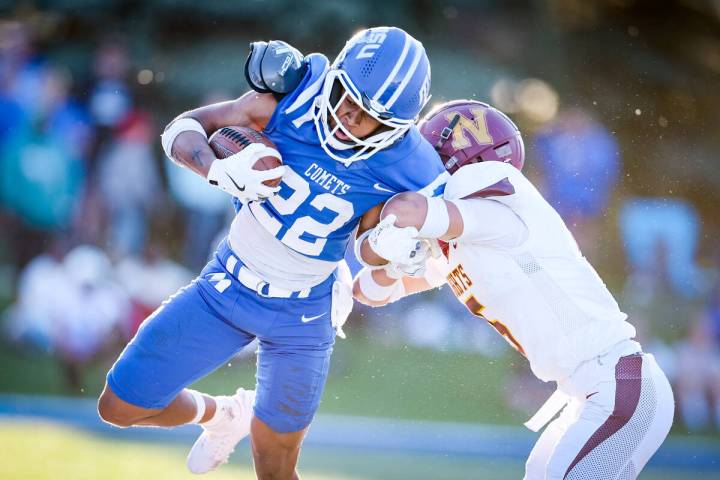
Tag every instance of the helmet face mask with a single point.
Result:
(467, 131)
(336, 90)
(385, 72)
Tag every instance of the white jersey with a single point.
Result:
(536, 288)
(275, 262)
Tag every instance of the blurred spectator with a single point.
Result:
(660, 238)
(62, 117)
(40, 287)
(205, 207)
(21, 70)
(90, 312)
(41, 168)
(129, 184)
(110, 97)
(109, 101)
(712, 311)
(148, 280)
(70, 307)
(12, 118)
(580, 161)
(698, 378)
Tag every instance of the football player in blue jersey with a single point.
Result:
(346, 135)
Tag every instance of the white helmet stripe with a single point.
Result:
(408, 75)
(394, 71)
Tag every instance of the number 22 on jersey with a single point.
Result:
(461, 283)
(303, 225)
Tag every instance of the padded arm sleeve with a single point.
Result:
(274, 67)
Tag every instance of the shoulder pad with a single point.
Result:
(274, 67)
(483, 179)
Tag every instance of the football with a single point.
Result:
(230, 140)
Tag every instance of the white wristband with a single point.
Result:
(358, 250)
(437, 220)
(176, 128)
(376, 292)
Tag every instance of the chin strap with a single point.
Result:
(447, 132)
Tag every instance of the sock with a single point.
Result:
(223, 413)
(199, 405)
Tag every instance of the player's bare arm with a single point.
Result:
(380, 276)
(190, 148)
(410, 209)
(369, 219)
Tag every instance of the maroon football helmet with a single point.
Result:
(467, 131)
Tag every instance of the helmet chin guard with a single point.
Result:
(363, 148)
(383, 70)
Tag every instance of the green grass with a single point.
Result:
(366, 378)
(43, 451)
(375, 380)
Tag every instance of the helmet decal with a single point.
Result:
(475, 127)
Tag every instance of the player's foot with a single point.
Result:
(230, 424)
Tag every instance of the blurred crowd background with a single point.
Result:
(618, 100)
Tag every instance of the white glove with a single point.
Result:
(235, 175)
(416, 270)
(342, 298)
(397, 245)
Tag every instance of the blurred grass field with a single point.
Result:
(366, 379)
(45, 451)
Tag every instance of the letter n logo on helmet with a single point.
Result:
(468, 131)
(475, 126)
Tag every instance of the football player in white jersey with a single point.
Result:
(508, 256)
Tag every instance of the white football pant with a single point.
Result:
(610, 434)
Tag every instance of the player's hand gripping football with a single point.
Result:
(400, 246)
(235, 174)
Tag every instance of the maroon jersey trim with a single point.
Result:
(500, 188)
(628, 381)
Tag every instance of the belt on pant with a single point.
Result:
(252, 281)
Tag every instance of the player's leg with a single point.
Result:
(293, 363)
(537, 461)
(658, 392)
(183, 409)
(184, 340)
(611, 425)
(275, 454)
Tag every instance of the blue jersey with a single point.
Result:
(321, 200)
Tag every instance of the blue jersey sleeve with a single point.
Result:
(413, 166)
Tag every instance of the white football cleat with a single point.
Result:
(218, 440)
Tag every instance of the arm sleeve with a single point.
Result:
(491, 223)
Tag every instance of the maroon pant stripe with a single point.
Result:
(628, 382)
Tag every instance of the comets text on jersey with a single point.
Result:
(459, 281)
(326, 180)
